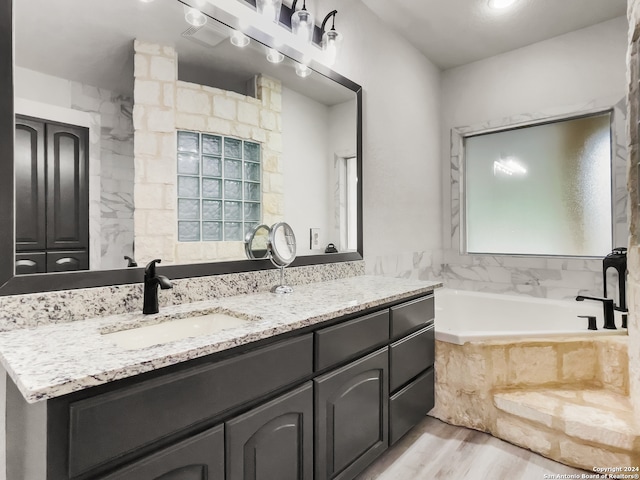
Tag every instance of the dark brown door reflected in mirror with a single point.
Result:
(52, 201)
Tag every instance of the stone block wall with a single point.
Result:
(491, 386)
(633, 260)
(467, 376)
(163, 105)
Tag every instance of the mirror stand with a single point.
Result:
(282, 288)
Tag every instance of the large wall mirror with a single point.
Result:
(137, 134)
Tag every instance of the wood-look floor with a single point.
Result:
(437, 450)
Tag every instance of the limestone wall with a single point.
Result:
(468, 375)
(477, 383)
(162, 105)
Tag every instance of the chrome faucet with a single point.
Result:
(151, 283)
(607, 304)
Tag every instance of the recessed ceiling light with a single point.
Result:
(239, 39)
(274, 56)
(195, 17)
(302, 70)
(499, 4)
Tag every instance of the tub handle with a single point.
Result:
(591, 320)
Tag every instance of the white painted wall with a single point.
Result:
(401, 151)
(307, 161)
(313, 134)
(579, 70)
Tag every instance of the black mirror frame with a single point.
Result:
(11, 284)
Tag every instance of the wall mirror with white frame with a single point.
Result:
(138, 134)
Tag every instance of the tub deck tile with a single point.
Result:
(594, 416)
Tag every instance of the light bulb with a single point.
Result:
(302, 70)
(331, 42)
(195, 17)
(239, 39)
(274, 56)
(302, 25)
(269, 9)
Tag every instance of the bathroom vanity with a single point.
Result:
(317, 386)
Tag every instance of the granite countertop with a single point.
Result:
(53, 360)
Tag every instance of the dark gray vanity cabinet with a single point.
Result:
(351, 416)
(317, 404)
(274, 440)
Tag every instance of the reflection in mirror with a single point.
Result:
(282, 243)
(127, 186)
(256, 243)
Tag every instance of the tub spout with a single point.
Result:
(607, 305)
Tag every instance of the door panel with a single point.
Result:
(351, 416)
(30, 185)
(273, 441)
(67, 192)
(200, 457)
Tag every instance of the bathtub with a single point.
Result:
(463, 316)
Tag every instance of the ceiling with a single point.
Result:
(455, 32)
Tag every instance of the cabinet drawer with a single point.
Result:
(410, 405)
(411, 355)
(107, 426)
(341, 342)
(199, 457)
(411, 315)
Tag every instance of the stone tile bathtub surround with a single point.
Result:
(566, 399)
(546, 277)
(36, 309)
(57, 359)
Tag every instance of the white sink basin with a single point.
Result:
(172, 330)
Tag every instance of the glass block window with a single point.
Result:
(219, 192)
(540, 190)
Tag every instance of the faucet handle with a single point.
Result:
(150, 269)
(591, 321)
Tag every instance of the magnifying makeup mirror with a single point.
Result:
(256, 243)
(278, 244)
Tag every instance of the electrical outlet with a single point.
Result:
(314, 238)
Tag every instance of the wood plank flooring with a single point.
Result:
(437, 450)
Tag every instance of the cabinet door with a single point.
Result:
(351, 417)
(200, 457)
(67, 187)
(273, 441)
(29, 164)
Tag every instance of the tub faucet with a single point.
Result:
(618, 260)
(607, 304)
(151, 283)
